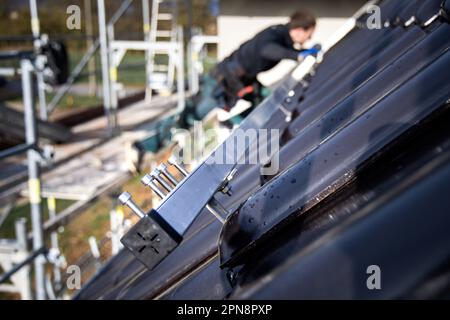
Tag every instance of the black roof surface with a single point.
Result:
(363, 180)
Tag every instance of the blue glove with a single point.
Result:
(310, 52)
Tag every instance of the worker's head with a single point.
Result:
(302, 26)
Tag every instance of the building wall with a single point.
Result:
(241, 20)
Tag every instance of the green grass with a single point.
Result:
(132, 68)
(100, 213)
(70, 101)
(22, 210)
(134, 75)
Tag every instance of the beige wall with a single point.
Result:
(241, 20)
(234, 30)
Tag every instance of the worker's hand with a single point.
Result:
(314, 51)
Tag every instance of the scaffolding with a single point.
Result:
(197, 52)
(16, 255)
(113, 51)
(34, 155)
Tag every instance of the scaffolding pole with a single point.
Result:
(35, 29)
(51, 205)
(89, 43)
(105, 65)
(147, 38)
(34, 184)
(112, 78)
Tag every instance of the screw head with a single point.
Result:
(155, 173)
(172, 160)
(146, 179)
(124, 197)
(161, 167)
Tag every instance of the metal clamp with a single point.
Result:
(432, 19)
(288, 100)
(225, 188)
(152, 238)
(211, 207)
(443, 14)
(410, 22)
(168, 182)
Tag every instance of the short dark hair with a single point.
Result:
(302, 19)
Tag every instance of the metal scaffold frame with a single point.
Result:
(12, 253)
(35, 29)
(31, 147)
(17, 255)
(196, 46)
(112, 52)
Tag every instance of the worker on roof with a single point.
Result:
(236, 74)
(235, 77)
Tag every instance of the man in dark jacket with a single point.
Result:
(236, 74)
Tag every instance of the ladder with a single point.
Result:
(161, 64)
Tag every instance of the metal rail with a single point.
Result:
(16, 150)
(7, 275)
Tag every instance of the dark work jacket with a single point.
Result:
(261, 53)
(264, 51)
